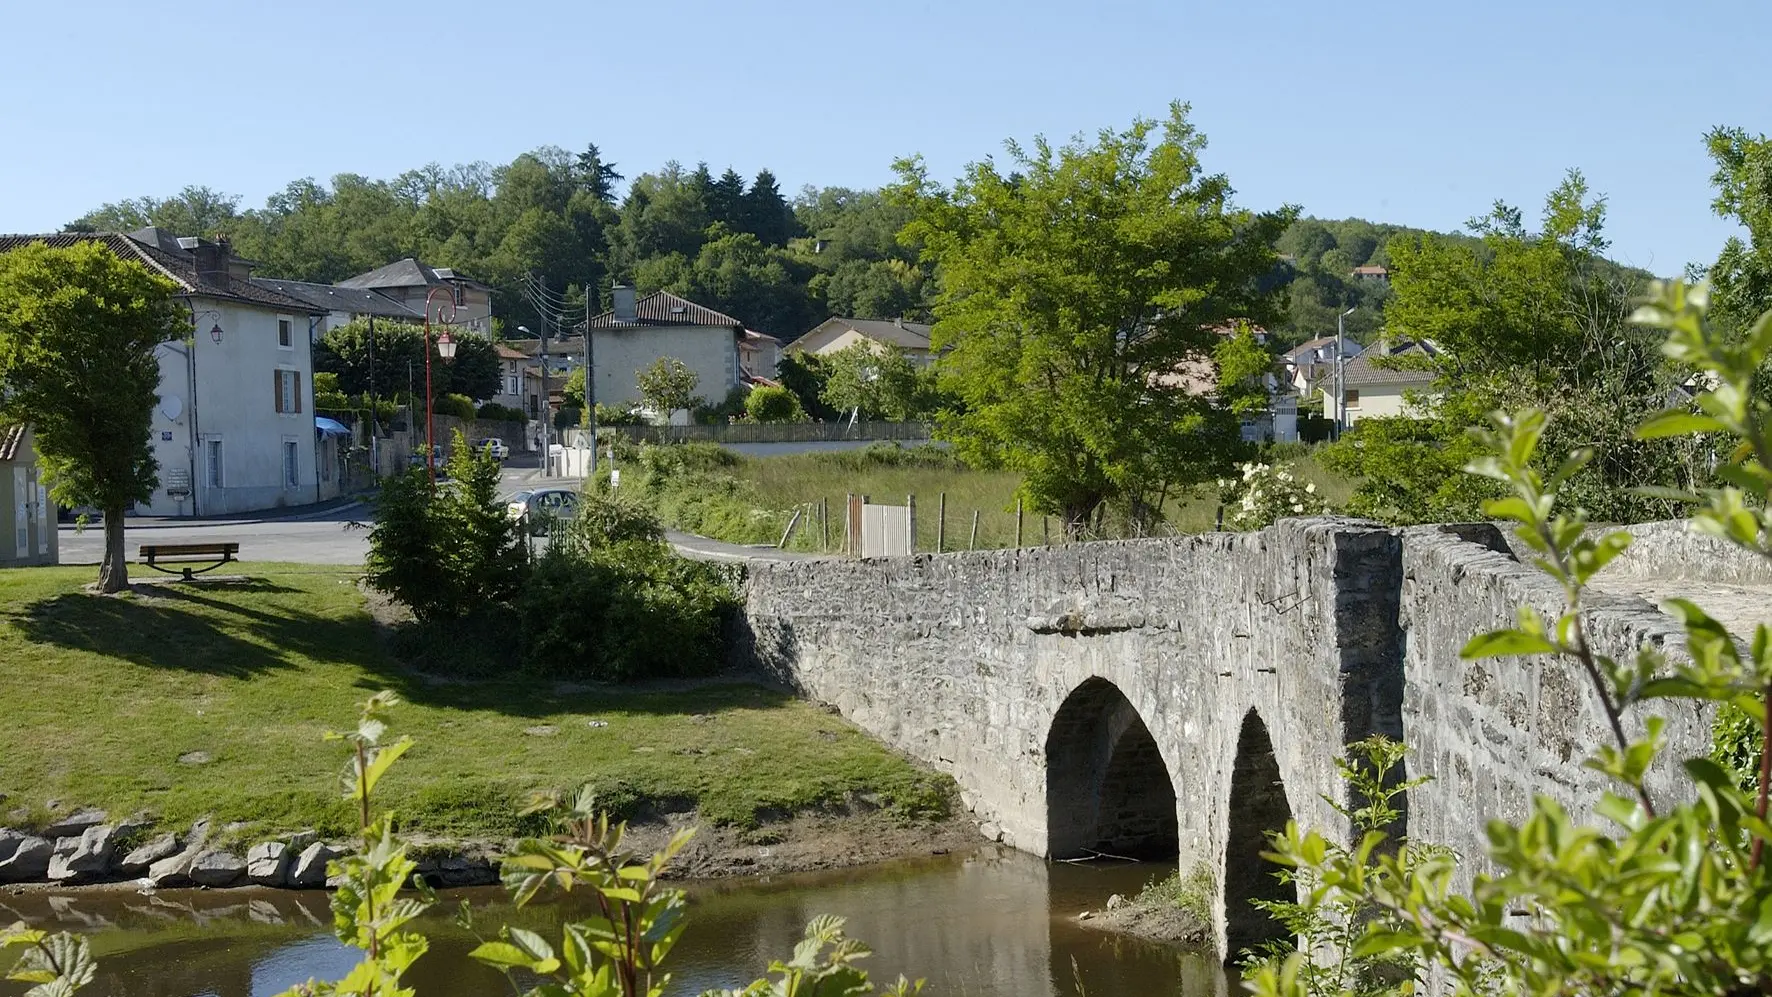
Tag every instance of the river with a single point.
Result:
(991, 923)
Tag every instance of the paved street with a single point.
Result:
(336, 536)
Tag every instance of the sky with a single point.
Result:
(1420, 113)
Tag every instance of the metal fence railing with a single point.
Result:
(790, 432)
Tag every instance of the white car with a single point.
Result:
(495, 446)
(542, 506)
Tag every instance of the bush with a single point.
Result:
(457, 406)
(774, 404)
(610, 415)
(448, 550)
(494, 412)
(724, 412)
(609, 600)
(1265, 494)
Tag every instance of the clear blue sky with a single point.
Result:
(1412, 112)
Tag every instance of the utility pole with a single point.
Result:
(374, 435)
(590, 379)
(1341, 373)
(547, 414)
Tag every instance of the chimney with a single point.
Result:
(212, 262)
(624, 305)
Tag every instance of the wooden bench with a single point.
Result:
(184, 555)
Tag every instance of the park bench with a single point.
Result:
(183, 556)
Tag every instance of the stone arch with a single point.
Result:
(1107, 787)
(1258, 806)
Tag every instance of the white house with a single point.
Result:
(1370, 390)
(637, 332)
(1310, 366)
(234, 428)
(27, 523)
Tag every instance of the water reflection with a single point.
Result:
(993, 923)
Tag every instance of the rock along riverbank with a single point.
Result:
(85, 849)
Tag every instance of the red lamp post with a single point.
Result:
(444, 312)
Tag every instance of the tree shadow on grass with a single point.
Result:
(159, 629)
(527, 697)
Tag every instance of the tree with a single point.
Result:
(598, 177)
(1073, 290)
(668, 385)
(344, 351)
(770, 404)
(1741, 279)
(882, 383)
(766, 213)
(79, 327)
(475, 370)
(193, 211)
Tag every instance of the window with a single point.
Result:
(461, 295)
(1351, 397)
(287, 391)
(291, 464)
(286, 333)
(212, 469)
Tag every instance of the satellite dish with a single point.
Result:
(172, 406)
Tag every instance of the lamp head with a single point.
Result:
(446, 345)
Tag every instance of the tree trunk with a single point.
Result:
(113, 574)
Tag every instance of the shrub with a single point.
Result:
(774, 404)
(457, 406)
(610, 415)
(446, 550)
(733, 407)
(494, 412)
(609, 600)
(1266, 494)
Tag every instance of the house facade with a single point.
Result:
(637, 332)
(1374, 390)
(233, 430)
(410, 283)
(759, 356)
(27, 520)
(834, 335)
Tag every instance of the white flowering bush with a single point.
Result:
(1265, 494)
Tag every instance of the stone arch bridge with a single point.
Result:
(1182, 697)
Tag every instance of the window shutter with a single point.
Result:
(295, 378)
(277, 389)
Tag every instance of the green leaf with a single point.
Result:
(1500, 643)
(1678, 423)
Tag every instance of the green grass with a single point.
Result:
(751, 499)
(104, 694)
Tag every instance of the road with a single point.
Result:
(336, 536)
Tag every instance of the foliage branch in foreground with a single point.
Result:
(1673, 896)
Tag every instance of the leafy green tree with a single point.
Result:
(475, 370)
(769, 404)
(344, 352)
(1073, 289)
(598, 177)
(882, 383)
(766, 213)
(193, 211)
(667, 385)
(79, 329)
(1741, 278)
(805, 374)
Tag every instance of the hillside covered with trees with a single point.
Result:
(741, 246)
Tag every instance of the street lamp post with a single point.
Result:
(444, 312)
(1341, 374)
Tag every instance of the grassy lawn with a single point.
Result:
(751, 499)
(105, 695)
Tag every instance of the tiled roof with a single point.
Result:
(665, 308)
(356, 301)
(10, 438)
(506, 353)
(907, 335)
(1362, 369)
(164, 256)
(407, 273)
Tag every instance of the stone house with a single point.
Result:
(410, 283)
(638, 331)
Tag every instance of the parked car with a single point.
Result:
(542, 507)
(494, 446)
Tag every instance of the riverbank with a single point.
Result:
(180, 703)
